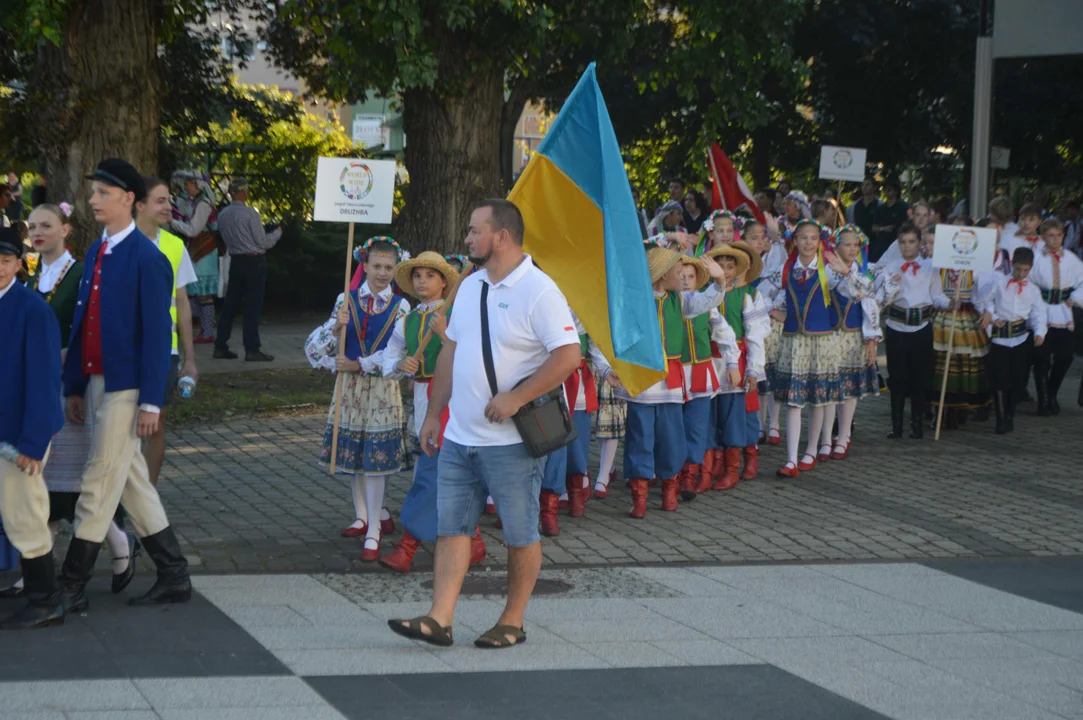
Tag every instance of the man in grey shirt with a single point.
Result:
(247, 243)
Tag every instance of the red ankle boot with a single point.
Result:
(718, 466)
(687, 480)
(477, 548)
(731, 475)
(639, 499)
(576, 502)
(669, 494)
(550, 506)
(704, 479)
(752, 462)
(403, 558)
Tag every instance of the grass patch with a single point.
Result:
(259, 392)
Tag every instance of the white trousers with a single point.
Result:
(24, 509)
(116, 471)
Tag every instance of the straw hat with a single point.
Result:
(732, 251)
(660, 261)
(427, 259)
(755, 268)
(702, 276)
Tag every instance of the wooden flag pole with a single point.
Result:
(341, 352)
(442, 312)
(838, 206)
(947, 356)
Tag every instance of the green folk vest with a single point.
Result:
(173, 248)
(671, 318)
(733, 308)
(416, 325)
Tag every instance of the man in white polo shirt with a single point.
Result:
(534, 342)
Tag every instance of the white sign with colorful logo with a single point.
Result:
(964, 248)
(842, 163)
(354, 190)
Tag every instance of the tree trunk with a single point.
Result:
(453, 157)
(95, 96)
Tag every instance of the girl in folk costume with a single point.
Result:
(721, 228)
(968, 384)
(429, 278)
(370, 438)
(564, 481)
(608, 430)
(195, 218)
(806, 371)
(701, 380)
(772, 257)
(56, 279)
(735, 419)
(655, 444)
(795, 209)
(859, 334)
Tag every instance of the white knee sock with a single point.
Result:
(762, 414)
(360, 513)
(846, 420)
(793, 432)
(828, 422)
(607, 453)
(815, 423)
(374, 486)
(118, 546)
(776, 420)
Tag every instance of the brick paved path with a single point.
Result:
(246, 496)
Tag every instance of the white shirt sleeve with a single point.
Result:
(694, 303)
(395, 351)
(551, 320)
(186, 273)
(757, 327)
(723, 336)
(936, 292)
(322, 345)
(1039, 315)
(870, 319)
(198, 223)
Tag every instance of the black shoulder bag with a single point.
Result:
(545, 424)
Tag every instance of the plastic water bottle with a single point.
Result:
(187, 387)
(8, 452)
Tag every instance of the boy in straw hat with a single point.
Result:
(429, 278)
(654, 436)
(734, 415)
(705, 333)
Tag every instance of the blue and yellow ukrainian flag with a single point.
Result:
(583, 230)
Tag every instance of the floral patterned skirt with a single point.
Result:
(612, 411)
(806, 371)
(370, 427)
(770, 348)
(858, 377)
(968, 384)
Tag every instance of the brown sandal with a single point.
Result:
(414, 628)
(497, 637)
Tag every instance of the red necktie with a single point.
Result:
(1033, 239)
(1020, 284)
(911, 266)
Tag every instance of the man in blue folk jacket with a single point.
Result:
(30, 415)
(115, 371)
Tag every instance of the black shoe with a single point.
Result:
(76, 572)
(258, 356)
(122, 580)
(43, 606)
(12, 591)
(224, 354)
(1053, 405)
(898, 408)
(173, 584)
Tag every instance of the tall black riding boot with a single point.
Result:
(173, 584)
(917, 417)
(1009, 410)
(43, 606)
(898, 409)
(1000, 408)
(1041, 387)
(76, 573)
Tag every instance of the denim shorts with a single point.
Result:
(467, 474)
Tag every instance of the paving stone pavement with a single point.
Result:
(247, 496)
